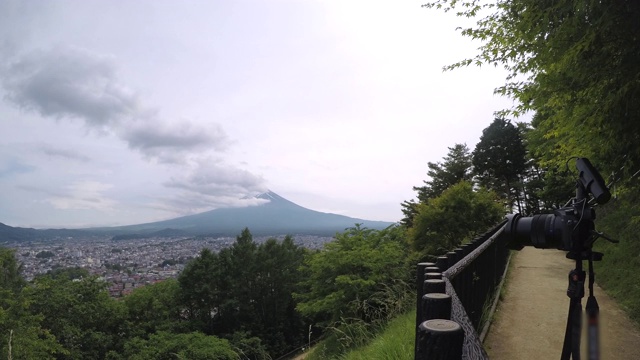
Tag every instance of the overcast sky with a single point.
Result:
(116, 113)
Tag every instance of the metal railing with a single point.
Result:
(453, 294)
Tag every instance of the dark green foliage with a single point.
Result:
(243, 263)
(456, 166)
(154, 308)
(557, 188)
(277, 277)
(249, 347)
(10, 278)
(355, 285)
(168, 346)
(459, 213)
(350, 271)
(499, 159)
(21, 330)
(246, 288)
(80, 314)
(202, 289)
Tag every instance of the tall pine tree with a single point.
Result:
(455, 167)
(499, 159)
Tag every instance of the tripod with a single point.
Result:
(584, 235)
(575, 292)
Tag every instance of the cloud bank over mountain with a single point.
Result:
(67, 83)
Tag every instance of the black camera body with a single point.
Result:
(570, 228)
(547, 230)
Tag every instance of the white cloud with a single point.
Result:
(170, 142)
(69, 82)
(211, 184)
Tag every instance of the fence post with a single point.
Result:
(451, 259)
(442, 262)
(432, 269)
(436, 306)
(434, 286)
(440, 340)
(459, 253)
(419, 292)
(466, 248)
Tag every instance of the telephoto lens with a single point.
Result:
(543, 231)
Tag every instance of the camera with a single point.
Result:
(570, 228)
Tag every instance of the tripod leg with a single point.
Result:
(572, 334)
(592, 328)
(566, 346)
(573, 330)
(576, 332)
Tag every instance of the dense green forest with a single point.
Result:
(572, 64)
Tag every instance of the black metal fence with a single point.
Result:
(453, 294)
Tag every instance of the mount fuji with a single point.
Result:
(277, 216)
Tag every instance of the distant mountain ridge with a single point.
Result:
(19, 234)
(278, 216)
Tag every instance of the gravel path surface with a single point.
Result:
(530, 322)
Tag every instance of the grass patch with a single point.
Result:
(396, 342)
(329, 348)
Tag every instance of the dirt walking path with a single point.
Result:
(530, 323)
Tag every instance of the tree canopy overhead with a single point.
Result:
(574, 63)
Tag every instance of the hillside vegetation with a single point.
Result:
(619, 268)
(394, 342)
